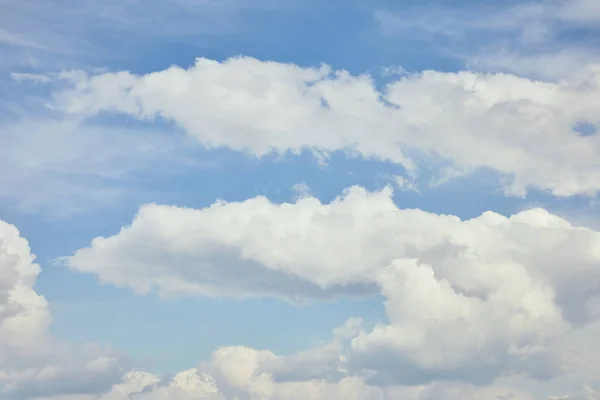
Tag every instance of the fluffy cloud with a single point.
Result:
(466, 300)
(31, 360)
(240, 373)
(237, 373)
(233, 373)
(520, 128)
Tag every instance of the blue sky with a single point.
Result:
(446, 108)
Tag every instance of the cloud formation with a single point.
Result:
(241, 373)
(466, 301)
(522, 129)
(493, 307)
(32, 361)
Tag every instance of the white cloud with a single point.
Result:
(235, 373)
(406, 184)
(301, 189)
(240, 373)
(444, 333)
(29, 77)
(518, 127)
(31, 360)
(466, 300)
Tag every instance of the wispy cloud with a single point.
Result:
(89, 33)
(9, 38)
(67, 167)
(546, 40)
(60, 165)
(28, 77)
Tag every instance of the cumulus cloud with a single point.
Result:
(491, 307)
(241, 373)
(33, 362)
(520, 128)
(465, 300)
(234, 373)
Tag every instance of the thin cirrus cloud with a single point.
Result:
(62, 167)
(49, 36)
(547, 40)
(520, 128)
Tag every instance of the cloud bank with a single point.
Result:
(466, 301)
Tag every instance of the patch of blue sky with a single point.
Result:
(585, 129)
(177, 333)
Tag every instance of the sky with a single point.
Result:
(299, 200)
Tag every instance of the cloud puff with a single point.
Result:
(241, 373)
(233, 373)
(33, 362)
(520, 128)
(466, 300)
